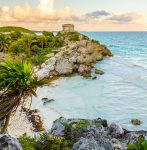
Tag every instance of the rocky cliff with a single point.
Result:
(76, 56)
(95, 134)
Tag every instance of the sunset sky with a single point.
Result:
(87, 15)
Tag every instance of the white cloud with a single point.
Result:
(46, 17)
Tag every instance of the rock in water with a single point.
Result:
(46, 100)
(135, 121)
(100, 72)
(9, 143)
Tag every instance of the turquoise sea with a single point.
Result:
(118, 96)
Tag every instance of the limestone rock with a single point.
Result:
(116, 130)
(87, 144)
(9, 143)
(64, 66)
(74, 57)
(116, 144)
(58, 129)
(83, 68)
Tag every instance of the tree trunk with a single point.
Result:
(3, 130)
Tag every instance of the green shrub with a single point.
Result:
(131, 147)
(44, 142)
(40, 56)
(29, 143)
(140, 144)
(97, 125)
(4, 42)
(73, 36)
(15, 35)
(82, 123)
(19, 46)
(47, 33)
(95, 41)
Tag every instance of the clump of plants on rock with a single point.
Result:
(44, 142)
(140, 144)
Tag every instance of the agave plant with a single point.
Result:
(16, 82)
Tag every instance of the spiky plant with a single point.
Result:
(16, 82)
(4, 42)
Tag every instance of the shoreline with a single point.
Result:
(20, 124)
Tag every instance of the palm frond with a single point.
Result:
(17, 82)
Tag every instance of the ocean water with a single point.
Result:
(118, 96)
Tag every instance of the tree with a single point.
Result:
(15, 35)
(16, 82)
(47, 33)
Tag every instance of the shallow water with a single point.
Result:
(119, 95)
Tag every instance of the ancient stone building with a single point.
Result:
(68, 27)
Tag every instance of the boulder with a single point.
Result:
(64, 67)
(94, 77)
(116, 144)
(135, 121)
(58, 128)
(116, 130)
(9, 143)
(100, 72)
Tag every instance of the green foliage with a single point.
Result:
(82, 123)
(73, 36)
(97, 125)
(17, 76)
(144, 144)
(40, 56)
(15, 35)
(47, 33)
(33, 47)
(18, 46)
(95, 41)
(29, 143)
(44, 142)
(4, 42)
(140, 144)
(13, 28)
(131, 147)
(54, 143)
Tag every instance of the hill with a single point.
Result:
(13, 28)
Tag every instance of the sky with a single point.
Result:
(86, 15)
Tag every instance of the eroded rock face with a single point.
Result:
(87, 144)
(74, 57)
(9, 143)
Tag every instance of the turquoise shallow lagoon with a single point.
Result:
(118, 96)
